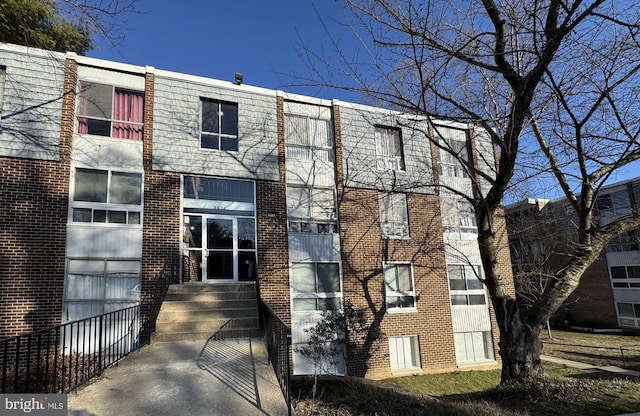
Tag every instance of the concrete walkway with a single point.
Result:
(584, 366)
(225, 377)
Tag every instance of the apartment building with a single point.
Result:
(541, 233)
(113, 175)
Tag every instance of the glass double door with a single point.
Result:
(219, 248)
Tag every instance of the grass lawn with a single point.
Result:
(596, 349)
(566, 392)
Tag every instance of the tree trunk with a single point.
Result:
(520, 345)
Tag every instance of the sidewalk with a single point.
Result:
(226, 377)
(584, 366)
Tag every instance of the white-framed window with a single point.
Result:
(629, 241)
(454, 142)
(404, 353)
(614, 204)
(472, 347)
(389, 151)
(316, 287)
(99, 285)
(625, 276)
(400, 294)
(308, 138)
(218, 125)
(465, 287)
(628, 314)
(311, 210)
(106, 197)
(106, 110)
(394, 220)
(458, 216)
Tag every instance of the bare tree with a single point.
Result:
(553, 83)
(104, 18)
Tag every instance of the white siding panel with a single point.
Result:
(310, 173)
(623, 258)
(470, 319)
(176, 131)
(462, 252)
(31, 102)
(85, 241)
(112, 153)
(314, 247)
(627, 295)
(302, 365)
(359, 151)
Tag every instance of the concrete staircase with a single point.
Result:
(196, 311)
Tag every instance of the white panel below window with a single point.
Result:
(470, 318)
(97, 241)
(314, 247)
(115, 153)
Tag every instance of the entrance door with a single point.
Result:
(220, 248)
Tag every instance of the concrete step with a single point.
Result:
(209, 324)
(209, 296)
(209, 288)
(207, 305)
(200, 335)
(206, 314)
(202, 311)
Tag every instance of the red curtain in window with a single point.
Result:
(127, 115)
(83, 123)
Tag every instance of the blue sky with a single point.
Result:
(259, 38)
(262, 39)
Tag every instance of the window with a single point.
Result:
(473, 346)
(616, 203)
(308, 138)
(455, 149)
(97, 286)
(316, 286)
(102, 196)
(394, 221)
(629, 241)
(465, 287)
(219, 125)
(400, 294)
(110, 111)
(625, 276)
(389, 152)
(458, 216)
(629, 314)
(404, 353)
(311, 210)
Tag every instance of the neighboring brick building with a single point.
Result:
(113, 175)
(541, 233)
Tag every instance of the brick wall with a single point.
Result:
(273, 254)
(592, 303)
(161, 224)
(363, 254)
(35, 197)
(271, 222)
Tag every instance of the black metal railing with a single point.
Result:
(277, 338)
(153, 299)
(60, 358)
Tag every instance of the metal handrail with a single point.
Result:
(61, 358)
(277, 338)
